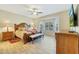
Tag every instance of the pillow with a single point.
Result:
(21, 28)
(32, 30)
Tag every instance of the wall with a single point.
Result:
(63, 20)
(13, 18)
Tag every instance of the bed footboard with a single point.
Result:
(26, 38)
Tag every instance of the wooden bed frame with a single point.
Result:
(26, 37)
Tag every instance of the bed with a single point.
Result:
(22, 32)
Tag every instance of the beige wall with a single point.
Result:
(13, 18)
(63, 20)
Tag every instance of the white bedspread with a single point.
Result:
(19, 34)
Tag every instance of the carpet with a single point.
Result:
(14, 40)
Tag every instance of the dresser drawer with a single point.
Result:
(7, 35)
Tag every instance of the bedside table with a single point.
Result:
(7, 36)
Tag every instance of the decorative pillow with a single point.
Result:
(34, 31)
(21, 28)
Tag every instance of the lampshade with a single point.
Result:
(7, 26)
(4, 23)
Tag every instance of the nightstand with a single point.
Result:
(7, 36)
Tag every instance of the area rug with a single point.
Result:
(14, 40)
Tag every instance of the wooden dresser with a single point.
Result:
(7, 36)
(67, 43)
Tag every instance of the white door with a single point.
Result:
(41, 27)
(56, 24)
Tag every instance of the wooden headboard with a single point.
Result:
(16, 26)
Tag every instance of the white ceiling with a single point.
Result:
(22, 9)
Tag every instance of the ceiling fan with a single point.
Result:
(33, 10)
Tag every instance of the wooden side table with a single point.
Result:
(7, 36)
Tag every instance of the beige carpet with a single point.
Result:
(39, 47)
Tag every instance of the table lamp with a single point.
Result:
(7, 24)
